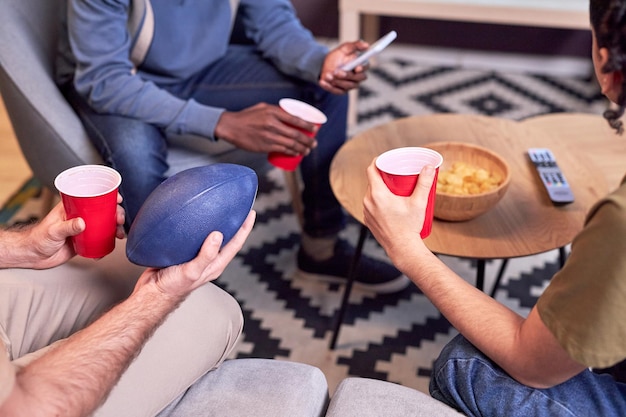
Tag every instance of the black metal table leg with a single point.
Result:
(562, 256)
(496, 284)
(480, 274)
(349, 282)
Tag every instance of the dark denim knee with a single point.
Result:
(448, 378)
(458, 348)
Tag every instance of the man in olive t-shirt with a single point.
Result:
(585, 304)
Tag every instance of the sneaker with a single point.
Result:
(371, 275)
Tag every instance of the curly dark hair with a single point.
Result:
(608, 19)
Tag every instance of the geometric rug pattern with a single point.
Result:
(390, 337)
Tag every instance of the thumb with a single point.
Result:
(68, 228)
(425, 181)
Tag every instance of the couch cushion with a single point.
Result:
(255, 387)
(364, 397)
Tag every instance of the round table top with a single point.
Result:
(524, 222)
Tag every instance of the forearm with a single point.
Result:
(480, 318)
(75, 377)
(42, 245)
(15, 247)
(523, 348)
(279, 34)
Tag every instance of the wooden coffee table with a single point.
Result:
(524, 222)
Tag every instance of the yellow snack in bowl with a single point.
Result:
(465, 179)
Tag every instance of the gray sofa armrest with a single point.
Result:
(364, 397)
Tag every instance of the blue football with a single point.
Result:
(179, 214)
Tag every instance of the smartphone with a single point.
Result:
(374, 49)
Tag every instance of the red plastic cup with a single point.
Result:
(305, 112)
(400, 168)
(90, 192)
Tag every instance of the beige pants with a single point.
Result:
(38, 308)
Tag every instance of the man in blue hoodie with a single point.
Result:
(139, 72)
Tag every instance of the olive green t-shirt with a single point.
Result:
(585, 304)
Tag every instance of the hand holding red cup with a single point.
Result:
(400, 168)
(90, 192)
(305, 112)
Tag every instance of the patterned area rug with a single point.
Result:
(390, 337)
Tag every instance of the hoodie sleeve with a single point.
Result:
(104, 74)
(280, 36)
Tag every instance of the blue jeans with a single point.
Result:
(241, 79)
(467, 380)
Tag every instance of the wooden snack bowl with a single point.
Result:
(455, 207)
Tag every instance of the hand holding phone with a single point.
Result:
(375, 49)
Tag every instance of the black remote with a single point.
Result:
(551, 175)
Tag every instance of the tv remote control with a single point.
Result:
(551, 175)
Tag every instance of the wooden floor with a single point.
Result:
(14, 170)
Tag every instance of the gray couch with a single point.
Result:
(265, 387)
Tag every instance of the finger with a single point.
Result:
(361, 45)
(297, 143)
(371, 168)
(306, 142)
(331, 88)
(120, 215)
(303, 143)
(77, 225)
(357, 75)
(236, 243)
(207, 258)
(373, 175)
(291, 126)
(424, 183)
(344, 85)
(214, 260)
(292, 123)
(212, 244)
(120, 233)
(362, 68)
(372, 182)
(352, 48)
(293, 148)
(66, 229)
